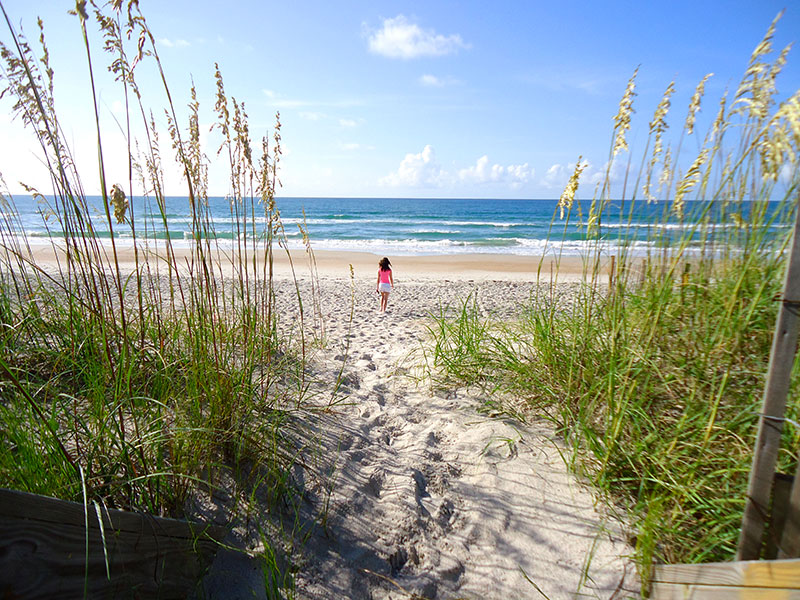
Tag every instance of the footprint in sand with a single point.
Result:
(398, 559)
(375, 482)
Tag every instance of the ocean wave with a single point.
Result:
(409, 247)
(519, 246)
(483, 224)
(665, 226)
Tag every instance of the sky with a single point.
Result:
(405, 99)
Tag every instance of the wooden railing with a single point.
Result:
(52, 548)
(756, 580)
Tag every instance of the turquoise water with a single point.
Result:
(412, 226)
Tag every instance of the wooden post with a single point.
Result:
(611, 272)
(685, 279)
(645, 266)
(781, 490)
(781, 360)
(790, 542)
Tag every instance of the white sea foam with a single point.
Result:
(482, 224)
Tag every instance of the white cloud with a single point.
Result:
(423, 170)
(401, 39)
(434, 81)
(431, 80)
(347, 122)
(311, 115)
(278, 100)
(787, 172)
(557, 175)
(179, 43)
(483, 172)
(417, 170)
(351, 146)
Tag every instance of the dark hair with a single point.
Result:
(384, 264)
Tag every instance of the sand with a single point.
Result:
(335, 264)
(406, 490)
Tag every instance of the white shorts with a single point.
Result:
(385, 287)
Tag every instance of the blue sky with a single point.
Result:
(412, 99)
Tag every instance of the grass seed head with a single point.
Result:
(738, 221)
(622, 120)
(688, 182)
(719, 124)
(119, 202)
(790, 113)
(659, 123)
(568, 196)
(666, 171)
(694, 104)
(657, 127)
(756, 92)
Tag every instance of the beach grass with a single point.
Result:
(149, 386)
(142, 388)
(654, 371)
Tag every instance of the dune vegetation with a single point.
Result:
(135, 388)
(654, 375)
(132, 388)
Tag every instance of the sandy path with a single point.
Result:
(422, 495)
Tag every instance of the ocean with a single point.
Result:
(415, 226)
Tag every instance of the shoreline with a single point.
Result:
(336, 264)
(417, 486)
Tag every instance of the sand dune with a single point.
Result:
(422, 495)
(406, 490)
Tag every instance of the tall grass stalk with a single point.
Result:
(655, 380)
(151, 379)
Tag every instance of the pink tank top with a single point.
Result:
(384, 275)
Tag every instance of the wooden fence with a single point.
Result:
(752, 580)
(51, 548)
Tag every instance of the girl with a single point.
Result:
(385, 281)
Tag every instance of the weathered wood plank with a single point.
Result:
(43, 555)
(779, 574)
(781, 361)
(671, 591)
(14, 503)
(781, 493)
(790, 542)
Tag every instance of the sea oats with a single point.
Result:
(568, 196)
(789, 111)
(659, 124)
(688, 182)
(765, 45)
(719, 125)
(666, 171)
(756, 92)
(775, 149)
(657, 127)
(726, 185)
(118, 200)
(694, 104)
(221, 106)
(593, 218)
(80, 10)
(779, 143)
(622, 120)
